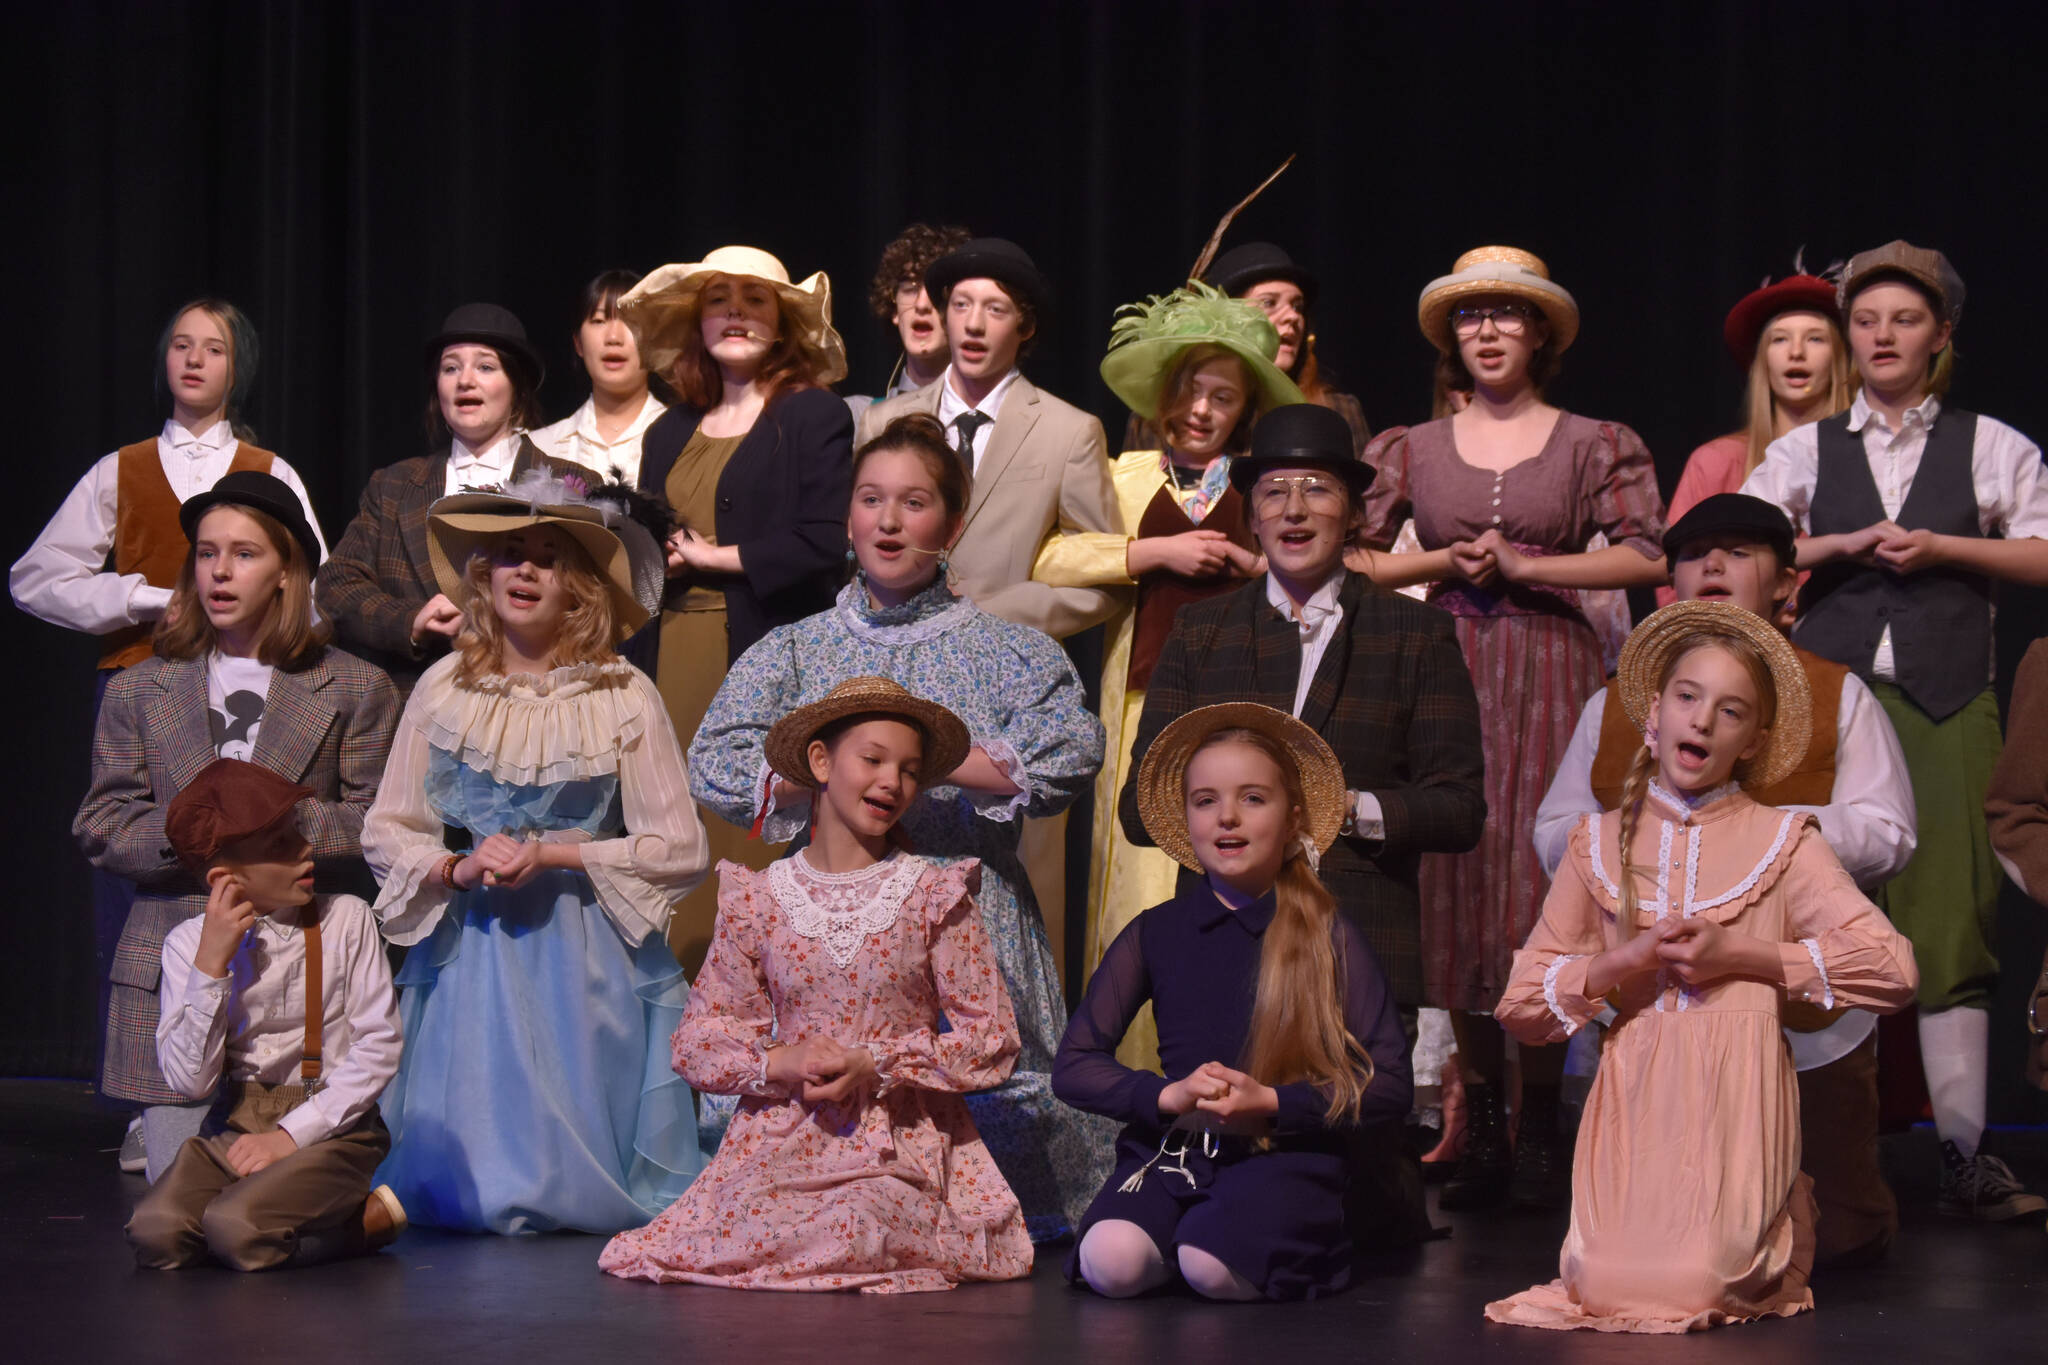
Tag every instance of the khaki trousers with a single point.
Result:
(303, 1208)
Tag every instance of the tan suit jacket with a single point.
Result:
(1044, 472)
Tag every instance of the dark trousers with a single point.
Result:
(1838, 1137)
(303, 1208)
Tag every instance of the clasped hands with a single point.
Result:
(506, 863)
(1696, 951)
(1488, 558)
(1242, 1102)
(1888, 545)
(822, 1070)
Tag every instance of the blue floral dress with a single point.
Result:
(535, 1092)
(1023, 705)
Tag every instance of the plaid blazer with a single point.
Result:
(327, 726)
(378, 576)
(1392, 698)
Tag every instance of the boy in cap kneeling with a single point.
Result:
(280, 1174)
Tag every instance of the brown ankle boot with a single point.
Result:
(383, 1218)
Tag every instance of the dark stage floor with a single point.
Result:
(69, 1292)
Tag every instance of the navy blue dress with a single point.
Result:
(1275, 1216)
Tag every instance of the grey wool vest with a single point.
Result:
(1940, 619)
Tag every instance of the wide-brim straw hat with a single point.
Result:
(1162, 777)
(632, 565)
(945, 734)
(1148, 340)
(663, 309)
(1497, 270)
(1679, 627)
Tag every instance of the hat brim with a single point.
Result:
(1433, 312)
(460, 525)
(1677, 627)
(664, 308)
(287, 512)
(514, 349)
(787, 747)
(1137, 370)
(1162, 777)
(1748, 318)
(1238, 282)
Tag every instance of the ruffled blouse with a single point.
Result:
(574, 752)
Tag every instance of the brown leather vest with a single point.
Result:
(147, 537)
(1161, 594)
(1812, 783)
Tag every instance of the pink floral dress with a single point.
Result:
(893, 1191)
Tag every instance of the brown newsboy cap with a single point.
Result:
(229, 801)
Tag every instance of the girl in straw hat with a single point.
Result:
(851, 997)
(1506, 496)
(1276, 1028)
(1199, 366)
(535, 1092)
(1696, 913)
(1035, 750)
(754, 459)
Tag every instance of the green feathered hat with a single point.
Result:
(1148, 339)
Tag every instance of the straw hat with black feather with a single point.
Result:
(1162, 777)
(945, 734)
(1665, 634)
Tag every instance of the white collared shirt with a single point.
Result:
(952, 406)
(60, 577)
(1318, 620)
(250, 1025)
(576, 437)
(2005, 476)
(490, 467)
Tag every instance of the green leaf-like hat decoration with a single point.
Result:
(1148, 339)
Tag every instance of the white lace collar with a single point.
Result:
(841, 909)
(1689, 807)
(908, 623)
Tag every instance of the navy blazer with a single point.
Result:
(783, 499)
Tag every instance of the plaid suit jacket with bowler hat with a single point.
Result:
(1394, 701)
(327, 726)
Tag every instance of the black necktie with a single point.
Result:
(967, 423)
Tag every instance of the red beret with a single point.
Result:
(229, 801)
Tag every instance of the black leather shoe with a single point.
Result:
(1481, 1179)
(1543, 1158)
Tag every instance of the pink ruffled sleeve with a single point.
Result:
(1844, 951)
(980, 1045)
(1621, 494)
(1545, 1000)
(722, 1044)
(1389, 502)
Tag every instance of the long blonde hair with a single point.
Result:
(588, 628)
(291, 636)
(1297, 1030)
(1760, 426)
(1635, 787)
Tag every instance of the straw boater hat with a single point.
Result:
(945, 735)
(1497, 270)
(662, 309)
(628, 558)
(1677, 628)
(1162, 795)
(1148, 339)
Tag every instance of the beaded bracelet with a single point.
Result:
(448, 871)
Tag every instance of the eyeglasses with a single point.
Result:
(1510, 320)
(1270, 496)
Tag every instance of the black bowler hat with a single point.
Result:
(266, 493)
(1302, 436)
(1241, 267)
(989, 258)
(487, 324)
(1732, 514)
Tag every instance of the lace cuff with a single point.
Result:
(1004, 808)
(777, 824)
(1571, 1025)
(1827, 992)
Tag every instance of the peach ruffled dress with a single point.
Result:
(1688, 1206)
(892, 1191)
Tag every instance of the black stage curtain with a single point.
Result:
(347, 172)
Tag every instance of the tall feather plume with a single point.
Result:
(1216, 238)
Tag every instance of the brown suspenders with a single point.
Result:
(309, 1064)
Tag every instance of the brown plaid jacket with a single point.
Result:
(378, 576)
(327, 726)
(1394, 701)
